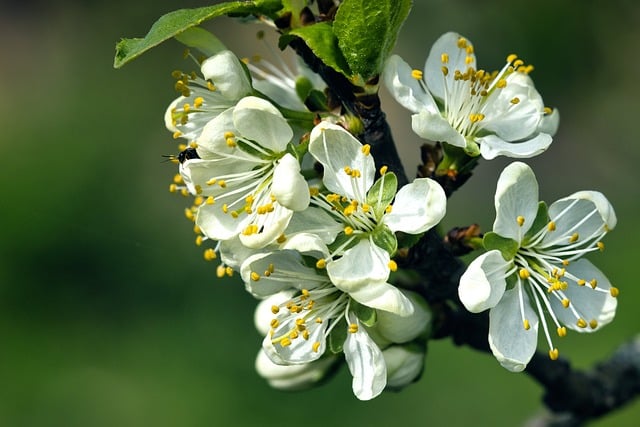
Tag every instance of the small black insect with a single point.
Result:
(188, 154)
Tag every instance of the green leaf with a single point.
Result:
(367, 315)
(367, 32)
(201, 39)
(337, 336)
(541, 221)
(382, 193)
(174, 23)
(322, 42)
(507, 247)
(384, 238)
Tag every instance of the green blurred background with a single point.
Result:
(109, 316)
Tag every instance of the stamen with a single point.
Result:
(393, 266)
(520, 220)
(209, 254)
(562, 331)
(526, 324)
(416, 74)
(581, 323)
(593, 323)
(614, 291)
(554, 354)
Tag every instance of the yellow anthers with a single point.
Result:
(210, 200)
(581, 282)
(444, 58)
(600, 246)
(547, 110)
(193, 144)
(526, 324)
(305, 292)
(565, 262)
(348, 230)
(198, 201)
(393, 266)
(211, 87)
(293, 334)
(614, 291)
(581, 323)
(353, 328)
(189, 214)
(574, 238)
(254, 276)
(562, 331)
(316, 346)
(306, 335)
(520, 220)
(197, 103)
(593, 323)
(184, 192)
(300, 324)
(198, 189)
(565, 302)
(475, 118)
(502, 83)
(231, 143)
(210, 254)
(250, 230)
(222, 183)
(593, 283)
(281, 239)
(462, 43)
(349, 210)
(275, 309)
(445, 70)
(551, 226)
(173, 188)
(515, 100)
(271, 268)
(469, 49)
(220, 271)
(366, 149)
(318, 320)
(333, 198)
(199, 240)
(524, 273)
(225, 208)
(274, 323)
(366, 207)
(348, 170)
(285, 342)
(321, 263)
(512, 58)
(177, 178)
(388, 209)
(518, 63)
(177, 134)
(176, 74)
(186, 107)
(416, 74)
(554, 354)
(228, 271)
(384, 170)
(314, 191)
(468, 59)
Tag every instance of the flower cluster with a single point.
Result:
(297, 205)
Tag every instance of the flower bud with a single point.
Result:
(399, 329)
(404, 365)
(293, 377)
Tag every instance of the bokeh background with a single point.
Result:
(109, 316)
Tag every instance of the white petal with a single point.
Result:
(307, 244)
(383, 296)
(316, 221)
(509, 121)
(483, 283)
(233, 253)
(585, 212)
(300, 350)
(448, 44)
(549, 123)
(365, 362)
(492, 146)
(289, 187)
(258, 120)
(289, 266)
(589, 303)
(271, 226)
(404, 88)
(402, 329)
(292, 377)
(404, 365)
(434, 127)
(417, 207)
(359, 265)
(336, 148)
(227, 74)
(510, 342)
(213, 138)
(217, 225)
(516, 196)
(263, 315)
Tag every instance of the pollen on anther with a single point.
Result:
(255, 276)
(524, 273)
(574, 238)
(199, 240)
(348, 230)
(444, 58)
(593, 283)
(547, 110)
(416, 74)
(581, 323)
(316, 346)
(321, 263)
(562, 331)
(353, 328)
(526, 324)
(593, 323)
(566, 302)
(554, 354)
(393, 266)
(275, 309)
(515, 100)
(600, 246)
(284, 342)
(220, 271)
(520, 220)
(210, 254)
(614, 291)
(384, 170)
(366, 149)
